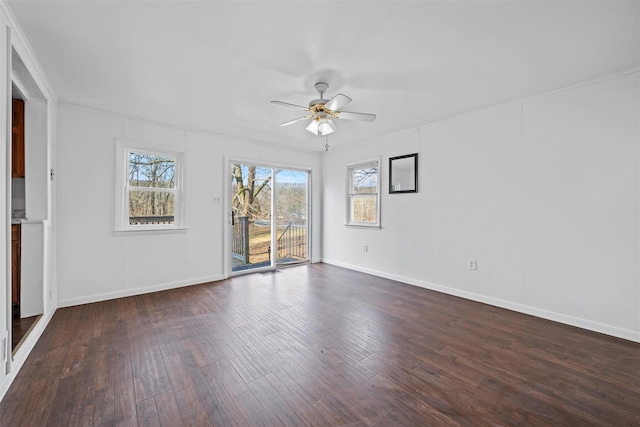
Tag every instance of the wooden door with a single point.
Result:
(17, 139)
(15, 263)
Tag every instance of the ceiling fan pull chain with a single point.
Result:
(326, 145)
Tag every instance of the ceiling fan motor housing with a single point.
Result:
(317, 104)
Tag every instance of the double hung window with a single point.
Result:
(149, 188)
(363, 194)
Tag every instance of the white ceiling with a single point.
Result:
(215, 65)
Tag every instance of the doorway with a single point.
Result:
(269, 217)
(26, 290)
(28, 204)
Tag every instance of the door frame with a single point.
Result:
(227, 198)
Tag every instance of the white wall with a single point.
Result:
(94, 263)
(36, 159)
(37, 207)
(543, 193)
(32, 269)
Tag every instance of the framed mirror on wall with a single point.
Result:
(403, 174)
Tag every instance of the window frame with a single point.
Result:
(375, 162)
(124, 148)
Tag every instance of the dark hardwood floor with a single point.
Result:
(318, 345)
(19, 328)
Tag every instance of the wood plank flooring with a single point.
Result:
(19, 329)
(318, 345)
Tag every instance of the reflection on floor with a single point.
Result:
(239, 265)
(20, 327)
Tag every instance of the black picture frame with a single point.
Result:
(403, 174)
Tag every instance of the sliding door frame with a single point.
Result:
(227, 203)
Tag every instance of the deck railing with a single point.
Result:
(142, 220)
(240, 247)
(292, 243)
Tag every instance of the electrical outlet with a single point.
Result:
(216, 200)
(365, 248)
(473, 265)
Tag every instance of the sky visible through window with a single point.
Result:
(284, 175)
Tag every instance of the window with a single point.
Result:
(149, 194)
(363, 204)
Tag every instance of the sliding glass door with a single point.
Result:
(261, 239)
(291, 201)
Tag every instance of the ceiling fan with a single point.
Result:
(323, 111)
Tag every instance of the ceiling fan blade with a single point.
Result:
(363, 117)
(337, 102)
(287, 104)
(290, 122)
(313, 127)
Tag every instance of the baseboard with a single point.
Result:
(590, 325)
(138, 291)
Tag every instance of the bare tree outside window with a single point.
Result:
(251, 191)
(151, 189)
(363, 194)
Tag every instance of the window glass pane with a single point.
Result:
(151, 170)
(151, 207)
(364, 180)
(363, 208)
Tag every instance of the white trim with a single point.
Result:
(590, 325)
(139, 291)
(274, 228)
(372, 162)
(25, 52)
(270, 164)
(16, 41)
(6, 365)
(20, 88)
(123, 147)
(638, 236)
(226, 218)
(363, 226)
(309, 173)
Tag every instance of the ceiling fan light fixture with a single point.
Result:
(313, 127)
(322, 126)
(326, 127)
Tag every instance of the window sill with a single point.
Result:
(149, 230)
(372, 227)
